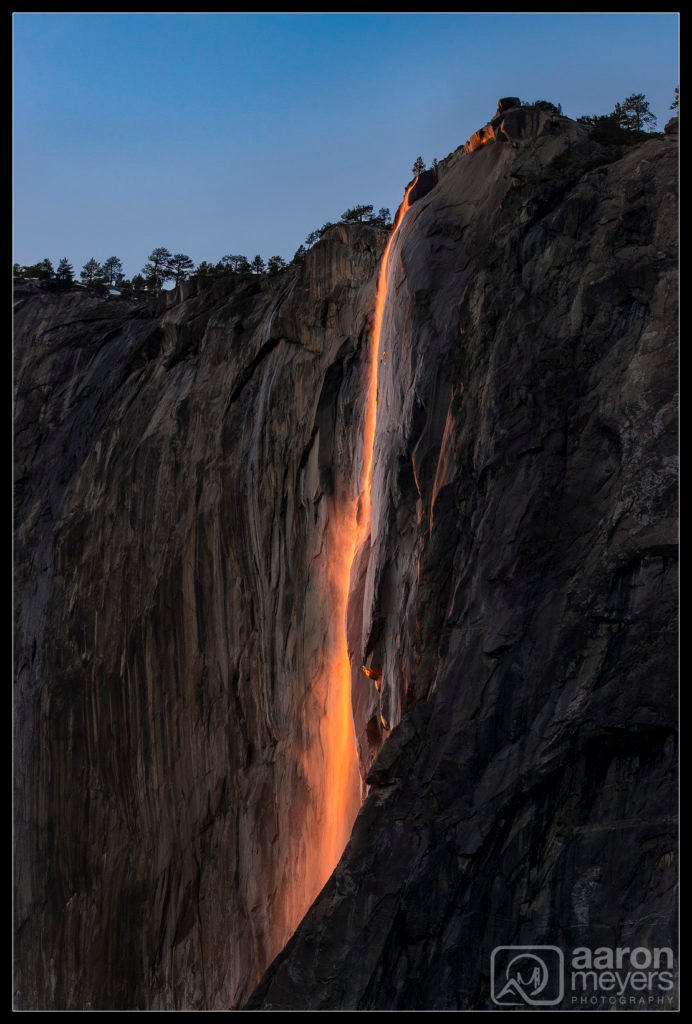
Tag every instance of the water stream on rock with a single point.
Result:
(341, 786)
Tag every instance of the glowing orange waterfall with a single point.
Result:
(341, 784)
(371, 406)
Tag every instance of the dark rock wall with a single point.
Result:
(180, 475)
(521, 587)
(177, 477)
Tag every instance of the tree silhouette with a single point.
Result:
(65, 273)
(551, 108)
(112, 269)
(299, 256)
(158, 269)
(418, 166)
(257, 265)
(675, 105)
(625, 125)
(91, 273)
(180, 267)
(384, 215)
(275, 264)
(356, 214)
(634, 113)
(138, 283)
(233, 264)
(45, 270)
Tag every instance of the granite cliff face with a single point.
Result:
(177, 477)
(182, 476)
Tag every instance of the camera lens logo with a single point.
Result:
(527, 975)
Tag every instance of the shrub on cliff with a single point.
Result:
(629, 122)
(357, 214)
(551, 108)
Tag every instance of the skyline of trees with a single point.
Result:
(163, 266)
(628, 122)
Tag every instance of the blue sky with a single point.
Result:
(240, 133)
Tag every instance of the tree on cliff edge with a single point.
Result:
(112, 269)
(257, 265)
(91, 273)
(299, 256)
(418, 166)
(180, 267)
(64, 275)
(357, 214)
(158, 269)
(625, 125)
(635, 113)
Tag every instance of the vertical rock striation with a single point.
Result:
(178, 477)
(181, 479)
(520, 595)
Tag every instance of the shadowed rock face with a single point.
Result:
(521, 586)
(177, 478)
(179, 474)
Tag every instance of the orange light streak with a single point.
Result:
(340, 784)
(371, 406)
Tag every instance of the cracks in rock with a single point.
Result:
(246, 375)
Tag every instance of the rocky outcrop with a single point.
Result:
(181, 478)
(520, 595)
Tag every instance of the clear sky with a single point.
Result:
(240, 133)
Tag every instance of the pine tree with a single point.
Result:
(275, 264)
(299, 256)
(180, 267)
(158, 269)
(356, 214)
(92, 272)
(675, 105)
(257, 265)
(65, 273)
(112, 269)
(234, 264)
(634, 113)
(418, 166)
(45, 270)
